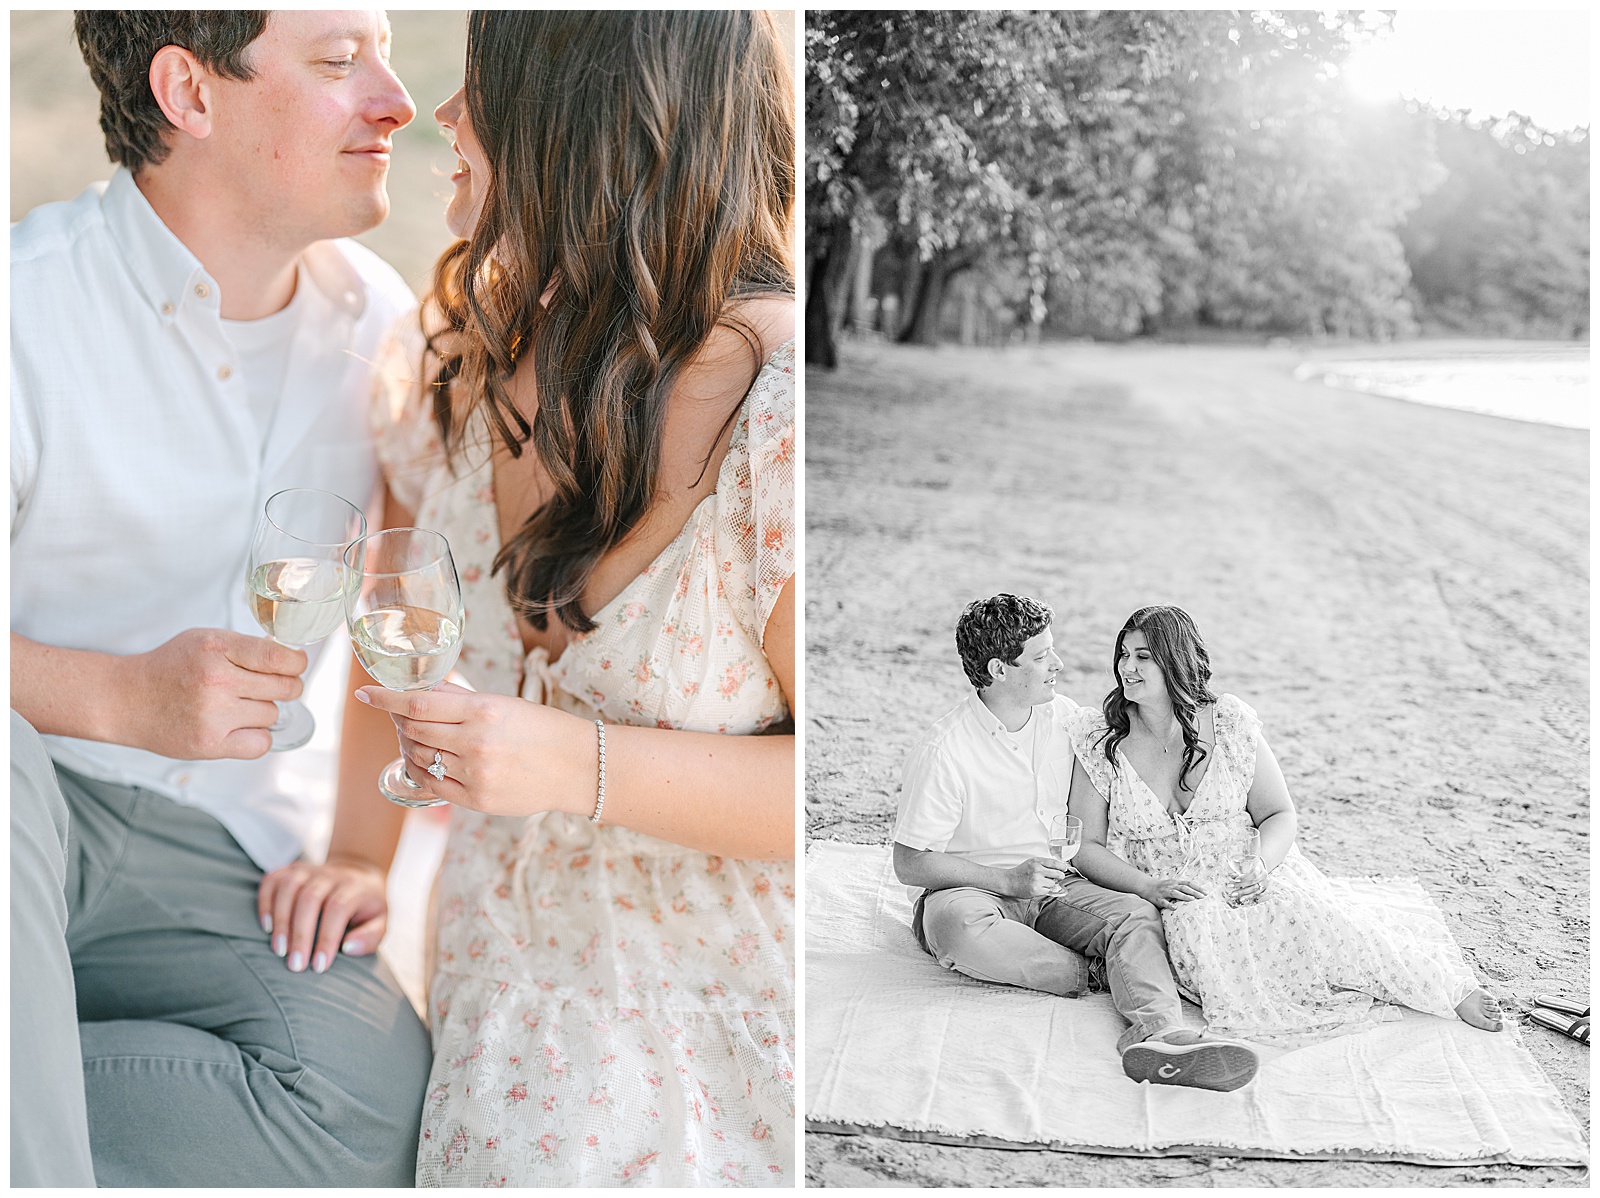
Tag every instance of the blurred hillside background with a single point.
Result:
(990, 177)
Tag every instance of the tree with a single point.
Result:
(1117, 172)
(1501, 246)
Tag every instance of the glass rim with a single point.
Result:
(266, 514)
(443, 554)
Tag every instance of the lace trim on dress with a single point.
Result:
(404, 436)
(1088, 729)
(756, 523)
(1237, 729)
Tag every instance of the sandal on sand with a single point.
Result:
(1577, 1029)
(1567, 1006)
(1204, 1064)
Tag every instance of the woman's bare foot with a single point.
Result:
(1480, 1009)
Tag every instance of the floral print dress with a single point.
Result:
(1316, 955)
(608, 1008)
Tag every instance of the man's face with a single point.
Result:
(1033, 679)
(307, 140)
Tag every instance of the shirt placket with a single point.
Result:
(198, 316)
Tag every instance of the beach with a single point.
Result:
(1400, 590)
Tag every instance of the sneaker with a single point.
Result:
(1204, 1064)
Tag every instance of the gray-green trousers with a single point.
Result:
(155, 1038)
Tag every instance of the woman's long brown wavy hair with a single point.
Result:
(641, 183)
(1175, 644)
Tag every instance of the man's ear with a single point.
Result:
(182, 88)
(996, 668)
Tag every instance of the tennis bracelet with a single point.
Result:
(600, 789)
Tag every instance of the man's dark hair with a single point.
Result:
(119, 45)
(997, 627)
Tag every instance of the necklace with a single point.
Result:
(1166, 743)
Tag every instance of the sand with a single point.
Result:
(1401, 592)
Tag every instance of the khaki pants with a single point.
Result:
(1041, 943)
(156, 1039)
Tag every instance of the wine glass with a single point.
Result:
(1243, 861)
(1066, 834)
(405, 621)
(296, 579)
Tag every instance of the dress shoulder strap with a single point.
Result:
(755, 539)
(1238, 727)
(1087, 726)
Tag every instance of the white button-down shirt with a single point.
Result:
(138, 471)
(973, 789)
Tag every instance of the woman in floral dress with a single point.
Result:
(1168, 779)
(606, 438)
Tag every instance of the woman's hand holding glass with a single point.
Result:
(406, 619)
(498, 754)
(1247, 873)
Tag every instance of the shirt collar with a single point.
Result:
(169, 275)
(164, 269)
(989, 722)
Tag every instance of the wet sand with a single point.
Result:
(1401, 591)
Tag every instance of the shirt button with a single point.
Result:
(202, 290)
(225, 373)
(167, 309)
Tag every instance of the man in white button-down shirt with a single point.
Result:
(976, 801)
(187, 340)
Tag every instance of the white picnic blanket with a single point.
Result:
(894, 1045)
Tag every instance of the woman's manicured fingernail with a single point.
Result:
(319, 962)
(280, 944)
(352, 946)
(266, 924)
(297, 962)
(362, 695)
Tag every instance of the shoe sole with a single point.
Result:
(1204, 1066)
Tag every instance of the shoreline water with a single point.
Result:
(1546, 385)
(1400, 590)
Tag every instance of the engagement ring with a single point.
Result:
(437, 768)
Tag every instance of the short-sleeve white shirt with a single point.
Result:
(138, 470)
(973, 789)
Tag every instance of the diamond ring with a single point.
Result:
(437, 768)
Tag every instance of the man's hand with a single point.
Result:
(1036, 877)
(209, 693)
(1166, 893)
(311, 911)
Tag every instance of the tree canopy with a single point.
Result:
(1113, 172)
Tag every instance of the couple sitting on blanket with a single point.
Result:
(1165, 779)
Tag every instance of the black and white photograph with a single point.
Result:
(1197, 695)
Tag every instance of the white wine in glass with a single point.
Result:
(1066, 835)
(405, 620)
(296, 581)
(406, 648)
(1243, 861)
